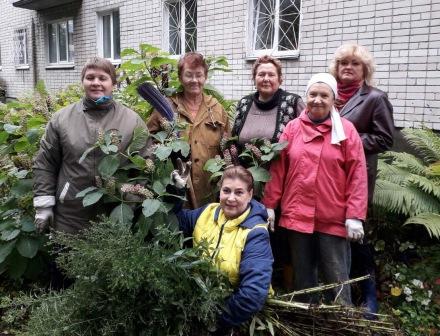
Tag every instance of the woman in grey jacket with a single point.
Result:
(58, 174)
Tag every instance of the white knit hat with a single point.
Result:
(325, 78)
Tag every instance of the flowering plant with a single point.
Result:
(255, 156)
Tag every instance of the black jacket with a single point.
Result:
(372, 114)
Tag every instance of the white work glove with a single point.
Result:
(179, 176)
(355, 230)
(271, 219)
(43, 218)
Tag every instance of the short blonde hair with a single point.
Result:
(358, 51)
(101, 64)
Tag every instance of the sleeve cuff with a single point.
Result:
(44, 201)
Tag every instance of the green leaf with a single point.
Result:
(35, 122)
(150, 207)
(158, 187)
(259, 174)
(213, 165)
(181, 146)
(5, 250)
(33, 135)
(21, 174)
(128, 52)
(92, 198)
(138, 160)
(159, 60)
(27, 224)
(139, 141)
(11, 129)
(163, 152)
(267, 157)
(148, 48)
(82, 193)
(3, 137)
(279, 145)
(27, 246)
(86, 152)
(122, 214)
(160, 136)
(21, 144)
(16, 265)
(8, 235)
(109, 165)
(22, 187)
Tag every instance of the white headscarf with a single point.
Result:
(338, 133)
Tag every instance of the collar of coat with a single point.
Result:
(310, 130)
(357, 99)
(208, 101)
(255, 214)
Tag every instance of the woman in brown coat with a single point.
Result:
(207, 123)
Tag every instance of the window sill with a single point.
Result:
(60, 66)
(22, 67)
(253, 55)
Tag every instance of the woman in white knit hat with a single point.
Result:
(320, 184)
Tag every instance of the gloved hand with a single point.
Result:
(43, 218)
(179, 177)
(271, 219)
(355, 230)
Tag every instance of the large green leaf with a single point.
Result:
(3, 136)
(11, 129)
(5, 250)
(150, 207)
(22, 187)
(109, 165)
(33, 135)
(16, 265)
(259, 174)
(82, 193)
(128, 52)
(163, 152)
(158, 187)
(28, 246)
(158, 61)
(122, 214)
(35, 122)
(8, 235)
(138, 160)
(21, 145)
(139, 141)
(27, 224)
(181, 146)
(92, 198)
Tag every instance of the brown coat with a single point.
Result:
(204, 133)
(371, 113)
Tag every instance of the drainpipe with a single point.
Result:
(34, 53)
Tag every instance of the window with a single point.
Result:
(109, 35)
(0, 57)
(60, 41)
(274, 27)
(20, 50)
(180, 26)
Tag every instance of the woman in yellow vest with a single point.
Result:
(236, 229)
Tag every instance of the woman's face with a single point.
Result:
(320, 100)
(267, 80)
(234, 197)
(193, 79)
(97, 83)
(350, 70)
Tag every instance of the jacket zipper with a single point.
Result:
(218, 241)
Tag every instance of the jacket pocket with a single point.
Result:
(64, 192)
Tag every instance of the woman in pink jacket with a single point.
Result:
(320, 183)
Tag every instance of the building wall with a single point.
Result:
(403, 35)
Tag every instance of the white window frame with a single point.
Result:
(166, 27)
(101, 34)
(25, 64)
(58, 63)
(253, 53)
(0, 57)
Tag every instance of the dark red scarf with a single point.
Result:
(345, 92)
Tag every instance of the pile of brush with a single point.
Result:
(282, 315)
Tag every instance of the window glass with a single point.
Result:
(182, 26)
(20, 55)
(106, 38)
(62, 41)
(116, 36)
(53, 58)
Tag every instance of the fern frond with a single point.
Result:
(421, 201)
(431, 222)
(434, 169)
(392, 173)
(427, 185)
(392, 197)
(425, 142)
(407, 161)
